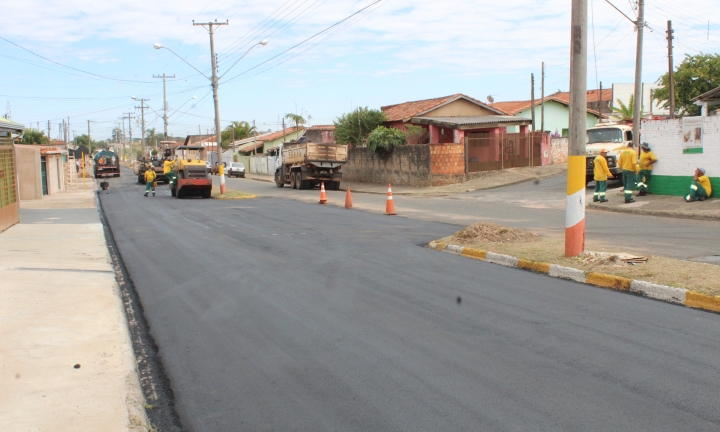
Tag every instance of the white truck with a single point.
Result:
(304, 165)
(612, 136)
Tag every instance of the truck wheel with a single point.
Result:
(173, 192)
(278, 180)
(292, 181)
(301, 184)
(140, 179)
(206, 193)
(336, 186)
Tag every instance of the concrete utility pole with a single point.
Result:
(542, 99)
(671, 68)
(532, 100)
(67, 132)
(48, 132)
(142, 114)
(165, 107)
(214, 80)
(640, 25)
(575, 201)
(129, 116)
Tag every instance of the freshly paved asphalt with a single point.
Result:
(274, 314)
(539, 207)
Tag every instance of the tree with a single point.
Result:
(150, 137)
(237, 130)
(297, 119)
(626, 112)
(694, 76)
(416, 134)
(354, 127)
(383, 140)
(82, 140)
(34, 136)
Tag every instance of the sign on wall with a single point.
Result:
(692, 135)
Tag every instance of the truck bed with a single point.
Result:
(300, 153)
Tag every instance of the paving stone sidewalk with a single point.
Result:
(66, 360)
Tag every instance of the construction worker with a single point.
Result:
(700, 189)
(150, 180)
(647, 159)
(601, 172)
(628, 164)
(167, 170)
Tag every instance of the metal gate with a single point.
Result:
(489, 152)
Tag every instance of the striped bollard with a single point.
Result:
(221, 171)
(575, 207)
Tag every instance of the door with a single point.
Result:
(43, 170)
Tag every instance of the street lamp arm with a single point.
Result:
(263, 42)
(158, 46)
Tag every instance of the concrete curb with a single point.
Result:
(679, 296)
(660, 213)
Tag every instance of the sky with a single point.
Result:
(86, 59)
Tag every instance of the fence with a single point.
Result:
(262, 164)
(489, 152)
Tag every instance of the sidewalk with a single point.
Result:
(491, 180)
(659, 205)
(66, 360)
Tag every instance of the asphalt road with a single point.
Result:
(538, 207)
(274, 314)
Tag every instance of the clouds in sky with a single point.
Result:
(397, 50)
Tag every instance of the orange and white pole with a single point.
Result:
(575, 202)
(221, 171)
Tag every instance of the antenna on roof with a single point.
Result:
(490, 99)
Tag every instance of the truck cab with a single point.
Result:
(612, 136)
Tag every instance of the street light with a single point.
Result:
(215, 84)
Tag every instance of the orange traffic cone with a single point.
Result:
(323, 197)
(348, 199)
(390, 205)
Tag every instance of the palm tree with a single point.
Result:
(295, 118)
(626, 112)
(237, 130)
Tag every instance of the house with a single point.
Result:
(258, 147)
(599, 100)
(706, 100)
(9, 194)
(41, 169)
(557, 113)
(450, 119)
(321, 134)
(650, 106)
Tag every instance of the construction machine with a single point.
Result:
(192, 173)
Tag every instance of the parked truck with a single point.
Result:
(106, 163)
(611, 136)
(304, 165)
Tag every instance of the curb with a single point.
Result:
(678, 296)
(659, 213)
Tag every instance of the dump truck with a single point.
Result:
(304, 164)
(192, 173)
(106, 164)
(611, 136)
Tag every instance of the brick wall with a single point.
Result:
(407, 165)
(447, 159)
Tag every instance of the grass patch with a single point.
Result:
(231, 195)
(701, 277)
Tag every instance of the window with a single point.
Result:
(609, 135)
(628, 135)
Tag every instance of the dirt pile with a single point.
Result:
(492, 232)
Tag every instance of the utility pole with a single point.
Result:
(575, 201)
(255, 135)
(640, 25)
(48, 133)
(89, 139)
(142, 114)
(129, 116)
(67, 132)
(218, 138)
(165, 106)
(542, 99)
(671, 68)
(532, 100)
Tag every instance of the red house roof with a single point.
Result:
(405, 111)
(514, 107)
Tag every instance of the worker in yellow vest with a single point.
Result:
(628, 164)
(167, 170)
(150, 180)
(647, 159)
(601, 172)
(700, 189)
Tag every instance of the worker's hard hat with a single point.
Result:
(604, 150)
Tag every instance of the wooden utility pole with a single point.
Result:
(165, 107)
(640, 25)
(671, 68)
(575, 202)
(542, 99)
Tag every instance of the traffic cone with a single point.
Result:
(390, 205)
(348, 199)
(323, 197)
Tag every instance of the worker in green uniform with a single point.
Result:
(601, 172)
(628, 164)
(700, 189)
(150, 180)
(647, 159)
(167, 170)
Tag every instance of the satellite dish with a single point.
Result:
(490, 99)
